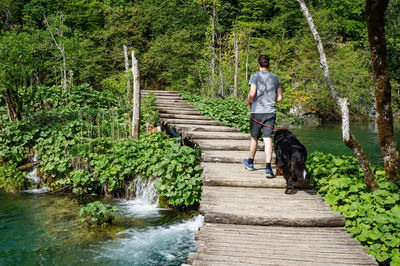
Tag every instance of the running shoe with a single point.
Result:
(269, 173)
(247, 165)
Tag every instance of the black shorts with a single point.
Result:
(267, 119)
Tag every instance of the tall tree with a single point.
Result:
(236, 48)
(19, 70)
(56, 30)
(375, 18)
(348, 138)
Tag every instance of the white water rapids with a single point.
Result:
(157, 243)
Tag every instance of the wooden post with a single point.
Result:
(136, 98)
(128, 78)
(348, 139)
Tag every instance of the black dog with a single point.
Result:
(291, 156)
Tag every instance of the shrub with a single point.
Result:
(97, 214)
(12, 179)
(371, 217)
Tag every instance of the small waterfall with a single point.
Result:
(145, 191)
(33, 175)
(145, 202)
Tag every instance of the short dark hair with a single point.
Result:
(263, 60)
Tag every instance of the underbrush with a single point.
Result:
(371, 217)
(233, 112)
(86, 149)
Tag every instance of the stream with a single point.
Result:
(39, 228)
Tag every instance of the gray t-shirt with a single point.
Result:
(267, 85)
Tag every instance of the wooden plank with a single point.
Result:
(231, 156)
(226, 145)
(191, 128)
(180, 112)
(235, 175)
(219, 135)
(191, 122)
(261, 206)
(178, 116)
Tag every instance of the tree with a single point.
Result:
(19, 69)
(348, 138)
(56, 30)
(375, 18)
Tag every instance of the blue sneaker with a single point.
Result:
(247, 165)
(269, 173)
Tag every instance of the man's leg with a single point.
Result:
(268, 157)
(255, 130)
(253, 148)
(268, 149)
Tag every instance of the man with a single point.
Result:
(265, 91)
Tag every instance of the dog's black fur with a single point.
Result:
(291, 156)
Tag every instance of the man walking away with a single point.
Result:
(265, 91)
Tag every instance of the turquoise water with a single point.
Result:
(327, 138)
(44, 229)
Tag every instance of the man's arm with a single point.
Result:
(252, 94)
(279, 95)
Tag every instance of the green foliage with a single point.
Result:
(371, 217)
(97, 214)
(232, 111)
(149, 112)
(12, 179)
(180, 175)
(76, 97)
(16, 138)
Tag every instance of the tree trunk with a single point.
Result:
(247, 57)
(213, 42)
(60, 47)
(221, 80)
(128, 79)
(375, 18)
(235, 77)
(136, 98)
(348, 139)
(14, 109)
(64, 81)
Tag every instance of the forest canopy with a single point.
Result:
(73, 42)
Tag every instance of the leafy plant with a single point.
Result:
(232, 111)
(12, 179)
(371, 217)
(97, 214)
(180, 178)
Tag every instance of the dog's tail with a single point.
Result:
(298, 166)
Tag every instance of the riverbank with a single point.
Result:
(45, 229)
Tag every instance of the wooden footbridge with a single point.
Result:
(249, 220)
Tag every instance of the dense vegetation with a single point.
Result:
(77, 42)
(234, 112)
(84, 147)
(371, 217)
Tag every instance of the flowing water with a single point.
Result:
(327, 138)
(44, 229)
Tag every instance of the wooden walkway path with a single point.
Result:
(249, 220)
